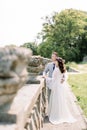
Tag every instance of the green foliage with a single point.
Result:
(78, 83)
(45, 49)
(65, 32)
(32, 46)
(81, 67)
(72, 64)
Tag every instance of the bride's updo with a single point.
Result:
(61, 64)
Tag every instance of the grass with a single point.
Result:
(78, 84)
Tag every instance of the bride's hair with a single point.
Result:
(61, 64)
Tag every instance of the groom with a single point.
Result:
(49, 69)
(50, 66)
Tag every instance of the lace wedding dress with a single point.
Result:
(58, 110)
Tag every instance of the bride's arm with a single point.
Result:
(64, 77)
(53, 78)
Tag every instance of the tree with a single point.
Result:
(32, 46)
(64, 32)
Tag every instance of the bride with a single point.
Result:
(58, 110)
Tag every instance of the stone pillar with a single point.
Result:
(13, 73)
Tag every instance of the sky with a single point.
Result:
(20, 20)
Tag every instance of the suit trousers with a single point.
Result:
(48, 92)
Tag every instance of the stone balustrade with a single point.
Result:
(22, 104)
(27, 110)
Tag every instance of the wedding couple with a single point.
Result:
(56, 76)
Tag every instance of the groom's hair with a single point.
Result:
(55, 53)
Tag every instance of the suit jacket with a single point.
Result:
(49, 69)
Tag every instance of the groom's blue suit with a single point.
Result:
(49, 69)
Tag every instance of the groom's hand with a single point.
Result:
(44, 76)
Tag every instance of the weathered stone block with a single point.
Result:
(85, 59)
(36, 65)
(13, 71)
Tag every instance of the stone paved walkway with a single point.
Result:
(80, 124)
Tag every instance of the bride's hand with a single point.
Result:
(62, 80)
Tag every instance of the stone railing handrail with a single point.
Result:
(21, 112)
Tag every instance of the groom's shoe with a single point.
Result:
(46, 118)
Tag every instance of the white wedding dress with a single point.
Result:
(58, 111)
